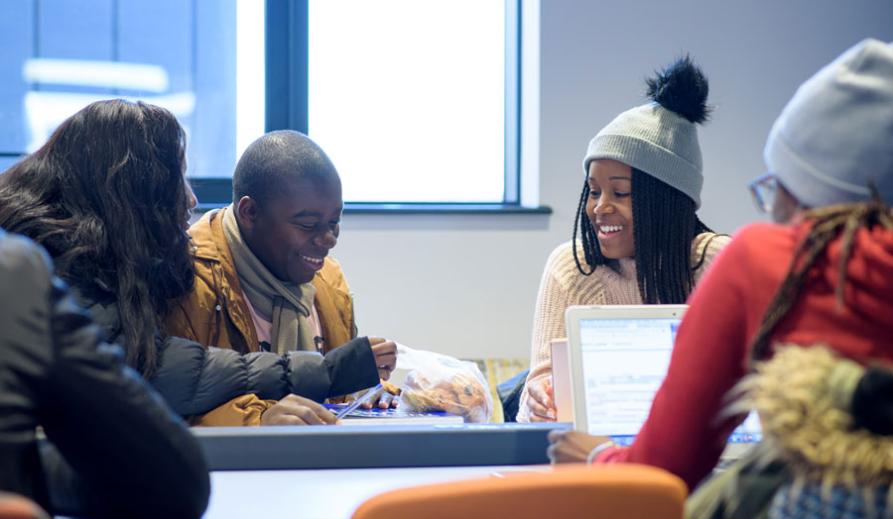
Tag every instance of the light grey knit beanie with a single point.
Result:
(835, 136)
(660, 138)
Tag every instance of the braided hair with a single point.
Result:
(827, 224)
(664, 226)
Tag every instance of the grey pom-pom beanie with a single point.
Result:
(660, 138)
(834, 138)
(654, 140)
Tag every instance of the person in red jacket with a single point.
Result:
(822, 274)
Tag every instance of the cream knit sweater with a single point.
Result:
(562, 285)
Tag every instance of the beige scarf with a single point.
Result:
(286, 305)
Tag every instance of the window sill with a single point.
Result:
(395, 208)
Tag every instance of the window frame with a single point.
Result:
(286, 90)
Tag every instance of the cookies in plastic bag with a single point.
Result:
(438, 382)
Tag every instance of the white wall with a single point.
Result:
(466, 285)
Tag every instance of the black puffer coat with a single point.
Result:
(115, 449)
(194, 379)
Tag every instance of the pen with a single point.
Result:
(372, 393)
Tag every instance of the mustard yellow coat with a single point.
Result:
(216, 313)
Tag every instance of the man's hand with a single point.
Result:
(540, 400)
(297, 410)
(388, 397)
(385, 353)
(572, 446)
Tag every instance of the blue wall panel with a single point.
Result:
(212, 150)
(17, 30)
(193, 40)
(158, 33)
(73, 29)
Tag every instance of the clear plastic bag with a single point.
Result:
(436, 382)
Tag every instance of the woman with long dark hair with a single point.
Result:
(640, 239)
(106, 196)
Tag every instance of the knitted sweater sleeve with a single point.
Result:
(561, 286)
(707, 246)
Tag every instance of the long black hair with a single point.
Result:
(664, 226)
(665, 222)
(107, 198)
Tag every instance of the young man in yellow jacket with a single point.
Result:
(264, 281)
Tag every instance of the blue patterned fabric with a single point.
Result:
(843, 503)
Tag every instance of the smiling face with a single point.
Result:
(292, 233)
(610, 207)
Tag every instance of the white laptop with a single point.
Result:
(618, 357)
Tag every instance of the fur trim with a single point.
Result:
(681, 88)
(803, 397)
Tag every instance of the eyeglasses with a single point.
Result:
(764, 188)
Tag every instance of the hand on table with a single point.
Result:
(572, 446)
(541, 400)
(297, 410)
(387, 398)
(385, 353)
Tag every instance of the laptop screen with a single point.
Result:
(624, 362)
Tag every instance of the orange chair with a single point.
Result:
(622, 491)
(14, 506)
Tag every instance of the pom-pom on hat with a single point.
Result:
(660, 138)
(834, 139)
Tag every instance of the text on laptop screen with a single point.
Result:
(624, 364)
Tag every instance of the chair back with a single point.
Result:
(627, 491)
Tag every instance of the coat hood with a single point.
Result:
(869, 272)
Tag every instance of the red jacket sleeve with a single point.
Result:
(683, 433)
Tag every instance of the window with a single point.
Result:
(415, 101)
(60, 55)
(408, 97)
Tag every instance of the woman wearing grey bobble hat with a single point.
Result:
(640, 238)
(818, 280)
